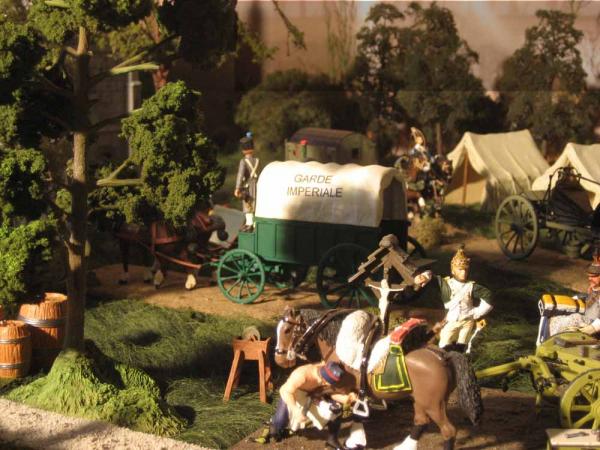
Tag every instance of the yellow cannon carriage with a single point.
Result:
(565, 366)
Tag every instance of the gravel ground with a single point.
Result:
(23, 427)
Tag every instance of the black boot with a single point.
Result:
(449, 444)
(333, 429)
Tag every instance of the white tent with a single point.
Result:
(490, 167)
(583, 158)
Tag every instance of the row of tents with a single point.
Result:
(490, 167)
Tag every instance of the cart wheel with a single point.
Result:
(241, 276)
(286, 276)
(516, 227)
(580, 402)
(414, 249)
(336, 266)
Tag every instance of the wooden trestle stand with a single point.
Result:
(253, 350)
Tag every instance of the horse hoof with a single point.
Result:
(407, 444)
(190, 282)
(148, 276)
(122, 282)
(158, 279)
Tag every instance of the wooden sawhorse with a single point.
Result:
(251, 350)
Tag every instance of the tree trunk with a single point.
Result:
(76, 280)
(160, 76)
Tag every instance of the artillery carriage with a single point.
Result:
(563, 209)
(564, 367)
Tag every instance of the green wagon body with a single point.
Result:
(295, 242)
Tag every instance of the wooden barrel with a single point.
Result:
(15, 349)
(48, 320)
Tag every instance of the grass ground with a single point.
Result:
(189, 354)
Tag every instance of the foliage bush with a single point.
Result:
(429, 231)
(176, 162)
(287, 101)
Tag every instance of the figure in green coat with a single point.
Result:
(465, 301)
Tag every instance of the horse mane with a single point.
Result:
(330, 331)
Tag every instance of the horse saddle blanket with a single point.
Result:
(552, 305)
(391, 375)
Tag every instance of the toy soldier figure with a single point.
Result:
(419, 151)
(247, 176)
(589, 322)
(460, 298)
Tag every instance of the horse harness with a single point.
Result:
(310, 334)
(361, 407)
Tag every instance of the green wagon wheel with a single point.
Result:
(336, 266)
(580, 402)
(241, 276)
(516, 227)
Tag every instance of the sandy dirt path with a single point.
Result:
(23, 427)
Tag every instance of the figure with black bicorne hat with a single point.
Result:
(589, 321)
(466, 302)
(302, 401)
(247, 177)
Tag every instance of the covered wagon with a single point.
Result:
(313, 214)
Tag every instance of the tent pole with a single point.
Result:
(465, 178)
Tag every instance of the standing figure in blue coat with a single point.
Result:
(247, 177)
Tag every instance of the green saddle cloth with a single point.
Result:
(394, 377)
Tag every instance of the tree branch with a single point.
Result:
(52, 87)
(57, 120)
(103, 123)
(58, 3)
(147, 51)
(112, 180)
(122, 70)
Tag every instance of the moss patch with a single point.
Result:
(99, 389)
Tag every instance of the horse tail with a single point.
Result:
(469, 394)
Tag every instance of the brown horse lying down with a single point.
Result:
(433, 374)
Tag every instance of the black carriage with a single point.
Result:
(564, 210)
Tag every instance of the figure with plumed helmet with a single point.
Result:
(246, 180)
(466, 303)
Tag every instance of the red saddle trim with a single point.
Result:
(401, 331)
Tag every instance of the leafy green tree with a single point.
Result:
(46, 79)
(287, 101)
(374, 75)
(130, 40)
(439, 91)
(543, 83)
(25, 233)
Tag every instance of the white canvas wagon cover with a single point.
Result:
(331, 193)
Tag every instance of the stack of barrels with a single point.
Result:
(35, 339)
